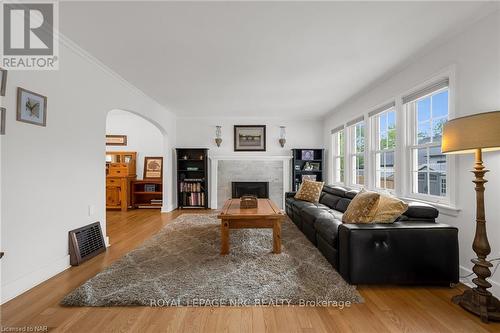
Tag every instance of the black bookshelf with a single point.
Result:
(192, 177)
(308, 163)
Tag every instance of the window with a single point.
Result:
(338, 138)
(385, 146)
(357, 153)
(428, 114)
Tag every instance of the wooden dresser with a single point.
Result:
(120, 172)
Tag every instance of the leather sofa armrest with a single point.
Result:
(402, 252)
(290, 194)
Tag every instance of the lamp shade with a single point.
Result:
(466, 134)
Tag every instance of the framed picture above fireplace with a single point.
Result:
(249, 137)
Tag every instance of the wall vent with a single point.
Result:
(85, 243)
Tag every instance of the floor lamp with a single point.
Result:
(477, 133)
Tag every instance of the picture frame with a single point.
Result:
(249, 137)
(116, 140)
(315, 166)
(31, 107)
(309, 177)
(149, 188)
(153, 168)
(3, 119)
(3, 81)
(307, 155)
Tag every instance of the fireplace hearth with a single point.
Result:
(259, 189)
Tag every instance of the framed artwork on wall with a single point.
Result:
(116, 140)
(3, 81)
(153, 168)
(249, 137)
(31, 107)
(307, 154)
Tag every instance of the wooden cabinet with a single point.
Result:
(147, 193)
(120, 172)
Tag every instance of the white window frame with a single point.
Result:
(352, 154)
(405, 126)
(375, 149)
(409, 112)
(336, 156)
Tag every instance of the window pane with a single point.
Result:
(389, 160)
(424, 109)
(360, 138)
(435, 183)
(440, 104)
(437, 160)
(342, 169)
(360, 166)
(389, 180)
(437, 129)
(424, 132)
(422, 159)
(341, 143)
(422, 183)
(391, 119)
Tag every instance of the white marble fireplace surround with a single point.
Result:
(249, 168)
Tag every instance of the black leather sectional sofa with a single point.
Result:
(413, 250)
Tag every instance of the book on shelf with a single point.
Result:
(190, 187)
(193, 199)
(156, 201)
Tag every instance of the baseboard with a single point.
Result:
(106, 241)
(30, 280)
(167, 209)
(495, 286)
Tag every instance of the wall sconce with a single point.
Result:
(218, 139)
(282, 139)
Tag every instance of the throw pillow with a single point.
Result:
(309, 191)
(389, 209)
(362, 208)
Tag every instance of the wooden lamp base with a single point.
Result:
(485, 306)
(479, 300)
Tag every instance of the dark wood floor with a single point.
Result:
(386, 308)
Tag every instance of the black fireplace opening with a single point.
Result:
(259, 189)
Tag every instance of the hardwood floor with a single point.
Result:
(386, 308)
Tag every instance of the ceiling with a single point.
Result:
(258, 59)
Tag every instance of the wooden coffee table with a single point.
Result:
(266, 215)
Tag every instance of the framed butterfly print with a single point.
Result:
(31, 107)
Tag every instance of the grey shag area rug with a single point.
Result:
(181, 266)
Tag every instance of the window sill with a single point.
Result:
(445, 209)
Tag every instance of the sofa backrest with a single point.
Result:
(339, 197)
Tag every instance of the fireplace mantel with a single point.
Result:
(214, 165)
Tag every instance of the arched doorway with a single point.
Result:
(134, 138)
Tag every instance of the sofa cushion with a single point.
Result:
(329, 199)
(362, 208)
(327, 228)
(310, 214)
(418, 210)
(389, 209)
(335, 190)
(309, 191)
(342, 204)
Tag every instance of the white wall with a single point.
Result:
(143, 137)
(200, 132)
(475, 53)
(51, 175)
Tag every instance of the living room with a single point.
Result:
(321, 105)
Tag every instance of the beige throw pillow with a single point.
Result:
(309, 191)
(362, 208)
(389, 209)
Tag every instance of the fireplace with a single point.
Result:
(259, 189)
